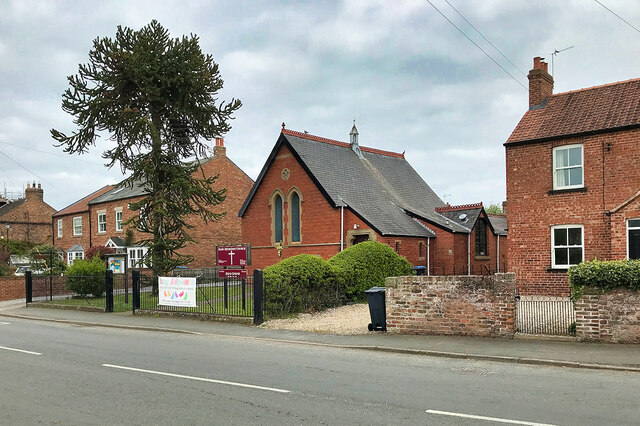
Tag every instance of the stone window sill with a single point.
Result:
(483, 258)
(565, 270)
(568, 190)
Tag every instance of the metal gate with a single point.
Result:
(238, 297)
(547, 315)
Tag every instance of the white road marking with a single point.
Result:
(489, 419)
(4, 323)
(201, 379)
(20, 350)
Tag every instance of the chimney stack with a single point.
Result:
(219, 150)
(34, 193)
(540, 82)
(504, 208)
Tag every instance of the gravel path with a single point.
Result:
(344, 320)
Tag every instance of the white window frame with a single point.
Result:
(135, 261)
(59, 228)
(76, 234)
(554, 265)
(119, 221)
(72, 256)
(555, 168)
(628, 229)
(102, 215)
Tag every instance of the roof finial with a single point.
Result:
(283, 125)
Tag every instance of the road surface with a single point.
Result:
(62, 374)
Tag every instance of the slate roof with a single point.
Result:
(499, 224)
(119, 242)
(82, 205)
(76, 247)
(614, 106)
(119, 192)
(10, 206)
(382, 189)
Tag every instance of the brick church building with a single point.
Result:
(99, 219)
(573, 181)
(318, 196)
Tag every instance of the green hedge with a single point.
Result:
(366, 265)
(300, 283)
(604, 275)
(87, 277)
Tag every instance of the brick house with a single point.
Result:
(318, 196)
(103, 216)
(27, 218)
(573, 180)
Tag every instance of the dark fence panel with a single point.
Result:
(464, 269)
(57, 289)
(545, 315)
(214, 296)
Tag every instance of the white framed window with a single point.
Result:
(568, 167)
(59, 228)
(567, 245)
(77, 225)
(73, 255)
(633, 239)
(136, 257)
(119, 220)
(102, 223)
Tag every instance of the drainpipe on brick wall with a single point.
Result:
(341, 227)
(469, 253)
(498, 253)
(428, 259)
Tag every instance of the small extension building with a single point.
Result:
(318, 196)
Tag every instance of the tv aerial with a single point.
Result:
(555, 52)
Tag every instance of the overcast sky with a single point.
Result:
(410, 79)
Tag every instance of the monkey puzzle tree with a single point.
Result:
(154, 98)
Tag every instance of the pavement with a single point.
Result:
(602, 356)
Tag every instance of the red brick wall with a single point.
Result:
(11, 288)
(29, 221)
(609, 317)
(452, 305)
(611, 176)
(68, 239)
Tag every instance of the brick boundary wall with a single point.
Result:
(609, 317)
(452, 305)
(11, 288)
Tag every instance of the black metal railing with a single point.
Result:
(464, 269)
(547, 315)
(214, 296)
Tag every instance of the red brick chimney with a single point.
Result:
(33, 193)
(219, 150)
(540, 82)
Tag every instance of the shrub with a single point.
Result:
(604, 275)
(87, 277)
(101, 251)
(46, 259)
(300, 283)
(366, 265)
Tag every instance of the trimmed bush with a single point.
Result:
(366, 265)
(87, 277)
(604, 275)
(301, 283)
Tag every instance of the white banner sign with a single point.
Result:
(177, 291)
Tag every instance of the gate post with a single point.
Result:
(28, 287)
(135, 277)
(258, 296)
(109, 291)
